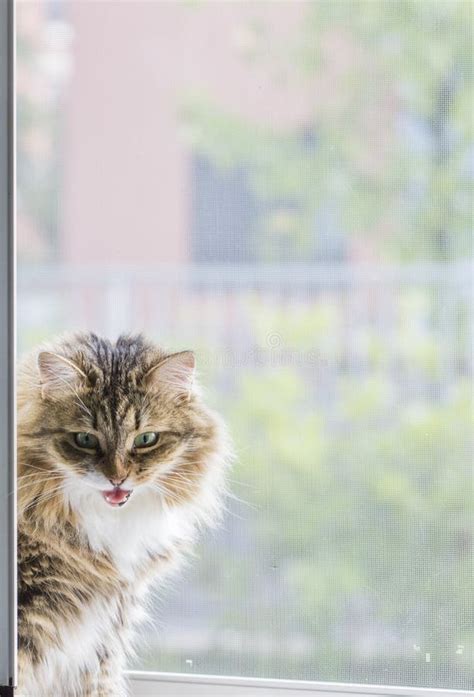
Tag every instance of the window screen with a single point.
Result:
(284, 187)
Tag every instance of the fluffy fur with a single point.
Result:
(85, 566)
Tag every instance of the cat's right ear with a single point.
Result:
(58, 374)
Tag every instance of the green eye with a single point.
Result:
(146, 440)
(86, 440)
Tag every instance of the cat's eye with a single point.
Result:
(146, 440)
(86, 440)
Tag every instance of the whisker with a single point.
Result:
(239, 483)
(169, 494)
(22, 485)
(32, 483)
(165, 493)
(231, 495)
(40, 469)
(42, 499)
(52, 473)
(37, 480)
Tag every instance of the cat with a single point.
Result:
(119, 465)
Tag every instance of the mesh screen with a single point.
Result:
(284, 187)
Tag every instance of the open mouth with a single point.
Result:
(117, 496)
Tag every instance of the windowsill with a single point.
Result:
(150, 684)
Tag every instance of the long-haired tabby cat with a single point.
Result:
(120, 463)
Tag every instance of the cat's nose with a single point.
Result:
(117, 481)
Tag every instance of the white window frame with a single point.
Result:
(149, 684)
(8, 583)
(142, 683)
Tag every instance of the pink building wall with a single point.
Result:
(126, 189)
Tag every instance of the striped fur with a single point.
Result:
(85, 567)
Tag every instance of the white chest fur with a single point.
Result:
(129, 534)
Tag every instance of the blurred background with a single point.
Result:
(285, 187)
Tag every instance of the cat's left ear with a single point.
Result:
(174, 373)
(58, 374)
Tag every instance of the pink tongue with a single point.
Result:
(116, 495)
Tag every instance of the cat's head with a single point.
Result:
(114, 419)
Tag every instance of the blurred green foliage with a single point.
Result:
(387, 148)
(357, 532)
(376, 518)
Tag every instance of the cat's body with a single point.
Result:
(99, 525)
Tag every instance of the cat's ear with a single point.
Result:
(58, 374)
(174, 373)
